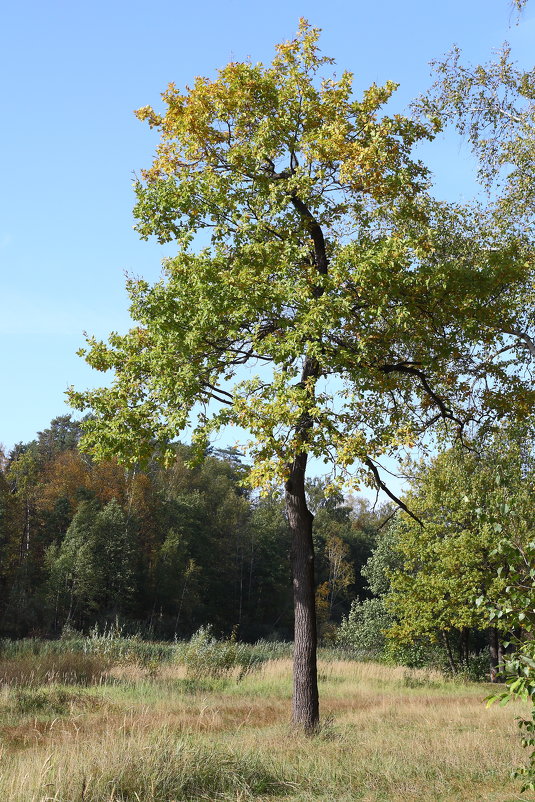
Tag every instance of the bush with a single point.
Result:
(206, 656)
(421, 653)
(363, 629)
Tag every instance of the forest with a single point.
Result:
(161, 552)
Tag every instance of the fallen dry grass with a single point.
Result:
(389, 735)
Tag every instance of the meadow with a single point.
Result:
(118, 720)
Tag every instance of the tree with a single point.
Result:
(269, 598)
(513, 519)
(75, 577)
(62, 435)
(9, 542)
(91, 572)
(363, 305)
(364, 629)
(493, 106)
(443, 569)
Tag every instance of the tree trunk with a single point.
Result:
(305, 689)
(494, 650)
(447, 644)
(305, 692)
(465, 637)
(501, 654)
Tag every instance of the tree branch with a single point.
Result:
(314, 229)
(408, 367)
(381, 486)
(528, 342)
(211, 390)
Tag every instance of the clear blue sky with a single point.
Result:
(71, 75)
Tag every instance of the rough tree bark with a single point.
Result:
(305, 712)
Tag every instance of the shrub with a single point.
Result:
(206, 656)
(363, 629)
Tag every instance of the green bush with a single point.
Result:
(363, 629)
(206, 656)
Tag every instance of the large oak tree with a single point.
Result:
(308, 252)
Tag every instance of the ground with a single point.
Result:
(152, 731)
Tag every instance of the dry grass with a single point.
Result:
(390, 735)
(68, 668)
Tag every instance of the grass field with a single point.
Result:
(80, 727)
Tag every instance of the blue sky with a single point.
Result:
(71, 76)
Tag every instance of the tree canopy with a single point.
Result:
(325, 251)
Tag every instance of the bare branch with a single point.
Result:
(381, 485)
(527, 340)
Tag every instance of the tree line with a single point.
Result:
(162, 550)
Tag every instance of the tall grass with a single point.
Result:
(134, 767)
(158, 733)
(66, 668)
(111, 643)
(106, 643)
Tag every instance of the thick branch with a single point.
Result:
(381, 486)
(314, 229)
(404, 367)
(216, 392)
(527, 341)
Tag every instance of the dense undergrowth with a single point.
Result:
(75, 659)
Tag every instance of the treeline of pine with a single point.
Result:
(162, 550)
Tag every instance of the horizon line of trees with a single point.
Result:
(163, 550)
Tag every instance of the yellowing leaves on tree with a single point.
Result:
(328, 265)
